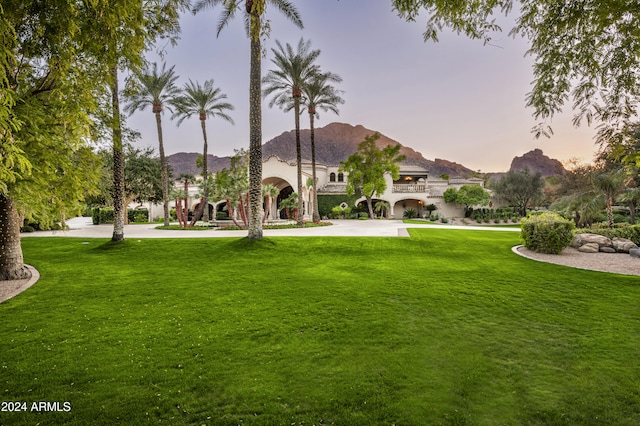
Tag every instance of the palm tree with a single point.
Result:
(382, 208)
(270, 192)
(254, 11)
(631, 196)
(608, 185)
(156, 88)
(294, 71)
(185, 179)
(205, 101)
(319, 94)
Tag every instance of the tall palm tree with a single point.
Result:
(254, 11)
(156, 89)
(319, 94)
(205, 101)
(294, 70)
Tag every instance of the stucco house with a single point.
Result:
(414, 189)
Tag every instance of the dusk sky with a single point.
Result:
(457, 99)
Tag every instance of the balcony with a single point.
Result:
(409, 188)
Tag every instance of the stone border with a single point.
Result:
(24, 284)
(616, 263)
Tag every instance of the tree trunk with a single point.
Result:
(205, 172)
(164, 173)
(316, 211)
(119, 210)
(255, 134)
(610, 219)
(370, 206)
(632, 212)
(296, 110)
(11, 260)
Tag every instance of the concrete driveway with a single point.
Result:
(82, 227)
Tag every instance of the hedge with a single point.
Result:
(105, 215)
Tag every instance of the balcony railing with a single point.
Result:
(403, 187)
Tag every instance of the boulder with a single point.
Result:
(607, 250)
(635, 252)
(589, 248)
(623, 245)
(582, 239)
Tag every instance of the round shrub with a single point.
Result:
(547, 233)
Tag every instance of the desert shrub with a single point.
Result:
(444, 220)
(547, 233)
(410, 214)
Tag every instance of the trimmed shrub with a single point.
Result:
(95, 216)
(27, 228)
(547, 233)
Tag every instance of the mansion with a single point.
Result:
(413, 190)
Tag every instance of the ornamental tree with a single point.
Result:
(367, 167)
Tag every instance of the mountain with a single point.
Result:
(536, 161)
(334, 143)
(185, 162)
(337, 141)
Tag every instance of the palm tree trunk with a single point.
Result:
(316, 211)
(255, 134)
(118, 162)
(205, 173)
(296, 109)
(11, 260)
(610, 218)
(164, 175)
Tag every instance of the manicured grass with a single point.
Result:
(446, 327)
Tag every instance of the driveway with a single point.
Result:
(82, 227)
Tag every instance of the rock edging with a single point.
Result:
(594, 243)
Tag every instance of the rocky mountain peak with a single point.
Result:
(536, 161)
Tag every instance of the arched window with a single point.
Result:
(340, 177)
(332, 177)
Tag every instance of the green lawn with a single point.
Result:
(446, 327)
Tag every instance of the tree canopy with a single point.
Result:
(519, 188)
(367, 167)
(467, 195)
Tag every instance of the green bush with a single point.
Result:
(444, 220)
(547, 233)
(410, 214)
(363, 215)
(141, 218)
(222, 215)
(27, 228)
(95, 216)
(133, 214)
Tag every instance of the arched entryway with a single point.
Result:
(285, 189)
(401, 206)
(197, 206)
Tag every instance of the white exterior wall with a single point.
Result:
(282, 174)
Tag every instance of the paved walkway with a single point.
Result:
(82, 227)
